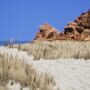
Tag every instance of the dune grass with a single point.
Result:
(18, 70)
(57, 49)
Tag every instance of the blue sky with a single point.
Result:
(20, 19)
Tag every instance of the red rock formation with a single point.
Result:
(79, 29)
(47, 32)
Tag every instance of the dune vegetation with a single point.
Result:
(57, 49)
(13, 66)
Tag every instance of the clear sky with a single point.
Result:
(20, 19)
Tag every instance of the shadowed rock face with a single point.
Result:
(79, 29)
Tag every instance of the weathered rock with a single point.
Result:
(79, 29)
(47, 32)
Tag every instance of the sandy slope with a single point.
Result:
(69, 74)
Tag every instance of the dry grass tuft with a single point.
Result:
(18, 70)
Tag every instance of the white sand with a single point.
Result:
(69, 74)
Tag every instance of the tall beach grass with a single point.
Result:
(14, 67)
(57, 49)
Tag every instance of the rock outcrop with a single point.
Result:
(47, 32)
(79, 29)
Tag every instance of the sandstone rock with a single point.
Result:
(47, 32)
(79, 29)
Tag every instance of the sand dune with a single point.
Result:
(58, 74)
